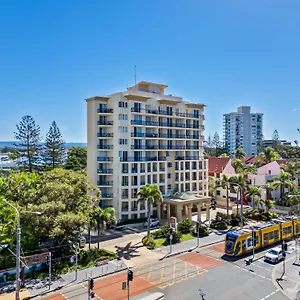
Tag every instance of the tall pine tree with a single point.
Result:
(54, 146)
(28, 133)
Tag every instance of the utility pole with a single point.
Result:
(171, 238)
(198, 234)
(284, 249)
(90, 288)
(76, 261)
(49, 257)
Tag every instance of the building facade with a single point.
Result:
(144, 136)
(243, 129)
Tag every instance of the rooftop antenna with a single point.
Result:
(134, 75)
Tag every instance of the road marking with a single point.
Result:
(185, 270)
(254, 273)
(162, 273)
(271, 294)
(149, 274)
(174, 270)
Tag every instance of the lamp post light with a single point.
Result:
(18, 252)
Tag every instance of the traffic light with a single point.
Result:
(91, 283)
(129, 275)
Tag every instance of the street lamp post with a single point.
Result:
(18, 246)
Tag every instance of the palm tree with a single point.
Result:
(268, 203)
(240, 182)
(283, 181)
(252, 192)
(239, 153)
(225, 185)
(259, 202)
(238, 165)
(269, 155)
(98, 219)
(151, 194)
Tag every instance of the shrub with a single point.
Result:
(176, 237)
(148, 242)
(218, 225)
(203, 231)
(133, 221)
(185, 226)
(157, 234)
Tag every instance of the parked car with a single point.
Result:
(119, 226)
(274, 255)
(153, 223)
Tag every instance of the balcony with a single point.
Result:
(148, 135)
(142, 183)
(124, 208)
(105, 183)
(105, 110)
(202, 127)
(105, 134)
(145, 123)
(104, 158)
(105, 123)
(187, 158)
(143, 147)
(192, 147)
(166, 124)
(105, 171)
(107, 196)
(155, 158)
(105, 147)
(125, 171)
(134, 208)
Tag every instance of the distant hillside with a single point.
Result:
(67, 145)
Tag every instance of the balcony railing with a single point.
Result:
(105, 171)
(104, 158)
(124, 209)
(105, 110)
(105, 183)
(166, 113)
(125, 196)
(107, 196)
(105, 123)
(105, 146)
(155, 158)
(187, 158)
(125, 171)
(134, 208)
(104, 134)
(163, 135)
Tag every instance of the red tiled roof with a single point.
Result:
(282, 161)
(251, 159)
(217, 164)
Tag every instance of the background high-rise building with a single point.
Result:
(243, 129)
(144, 136)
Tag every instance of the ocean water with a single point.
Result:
(67, 145)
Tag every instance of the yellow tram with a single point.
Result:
(241, 241)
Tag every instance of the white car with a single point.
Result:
(153, 223)
(274, 255)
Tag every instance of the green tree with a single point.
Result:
(76, 159)
(28, 133)
(225, 183)
(250, 169)
(268, 203)
(253, 192)
(216, 143)
(64, 198)
(282, 182)
(238, 165)
(54, 147)
(269, 155)
(151, 195)
(239, 183)
(224, 155)
(239, 153)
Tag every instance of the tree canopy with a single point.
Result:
(63, 197)
(76, 159)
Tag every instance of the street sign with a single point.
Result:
(173, 223)
(124, 285)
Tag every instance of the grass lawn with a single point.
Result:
(161, 242)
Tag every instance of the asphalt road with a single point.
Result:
(180, 277)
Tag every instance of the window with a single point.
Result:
(123, 129)
(123, 141)
(169, 187)
(169, 165)
(218, 193)
(123, 117)
(122, 104)
(266, 238)
(289, 230)
(134, 216)
(142, 215)
(124, 217)
(276, 236)
(271, 235)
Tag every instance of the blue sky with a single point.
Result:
(54, 54)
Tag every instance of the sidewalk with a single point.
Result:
(289, 283)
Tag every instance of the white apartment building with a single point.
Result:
(144, 136)
(243, 129)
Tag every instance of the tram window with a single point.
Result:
(284, 231)
(271, 235)
(298, 228)
(238, 248)
(289, 230)
(276, 235)
(266, 236)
